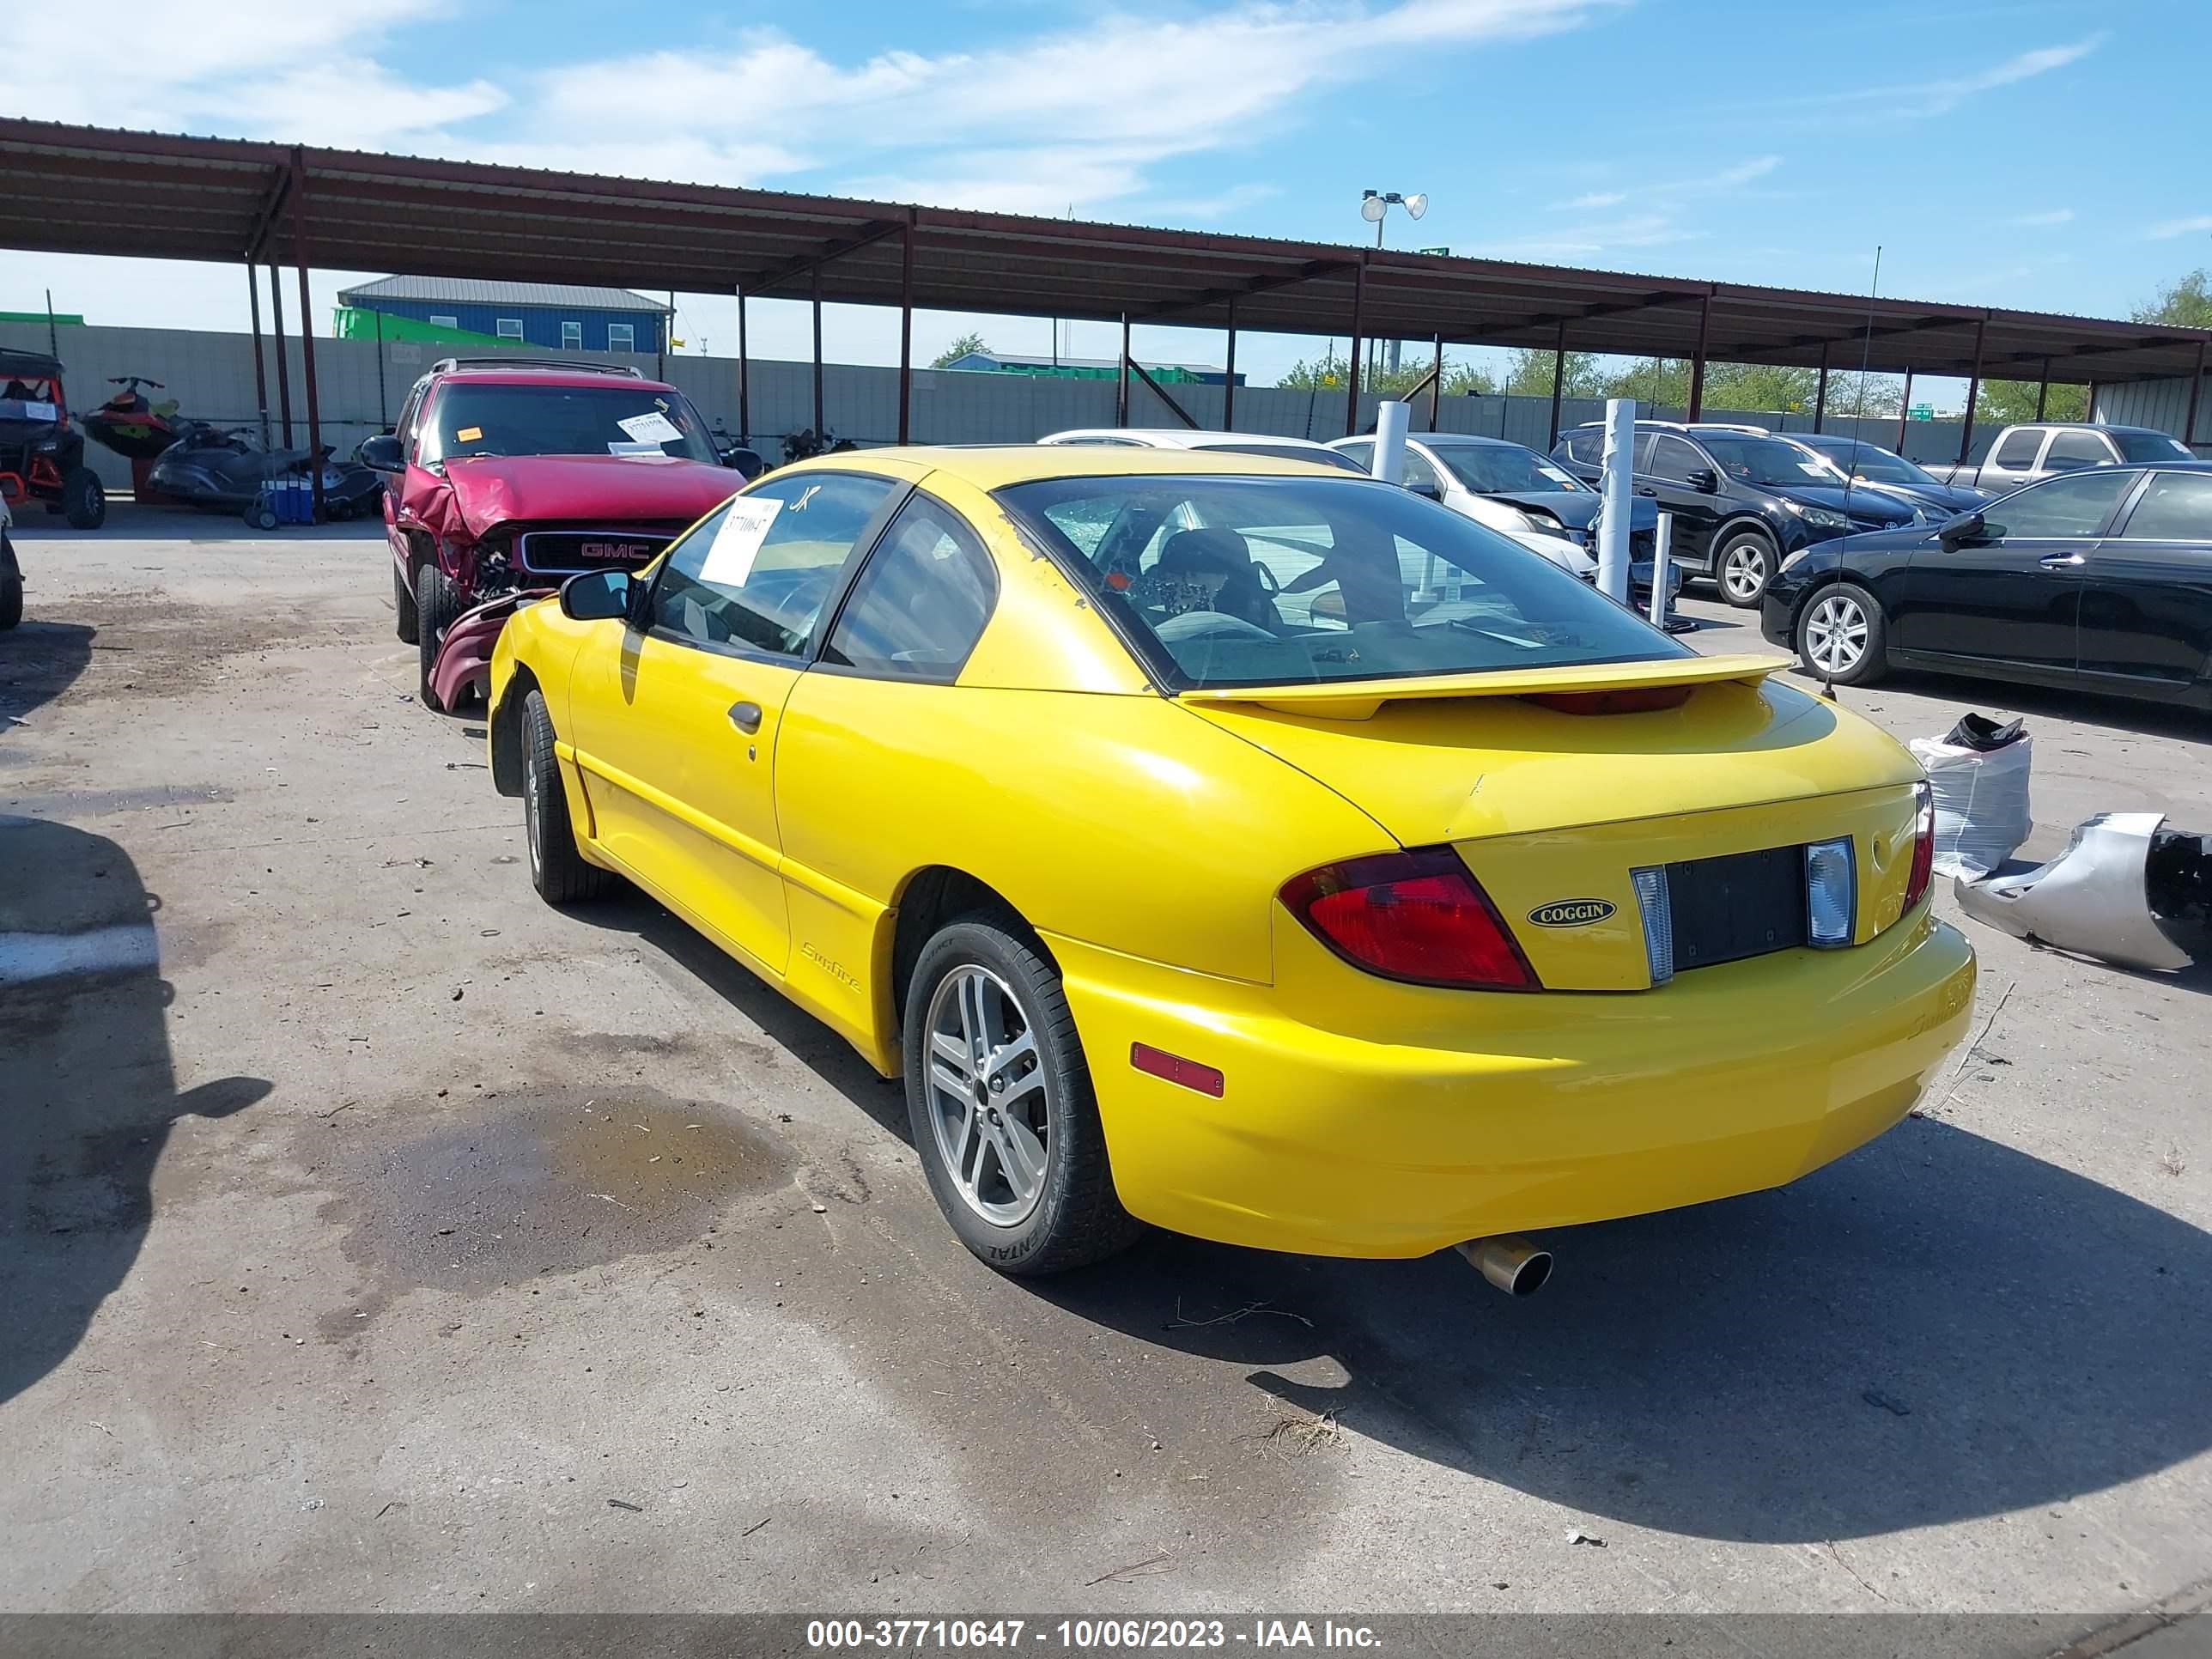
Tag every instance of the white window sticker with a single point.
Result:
(650, 428)
(40, 411)
(729, 562)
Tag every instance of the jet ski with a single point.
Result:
(209, 466)
(131, 423)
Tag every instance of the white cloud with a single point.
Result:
(1596, 200)
(1593, 238)
(1921, 100)
(2173, 227)
(2038, 220)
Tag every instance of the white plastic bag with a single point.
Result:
(1982, 813)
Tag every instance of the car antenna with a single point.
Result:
(1850, 473)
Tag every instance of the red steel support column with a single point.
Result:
(744, 383)
(821, 434)
(1904, 411)
(1697, 408)
(1229, 381)
(295, 210)
(1437, 383)
(260, 374)
(906, 330)
(2196, 396)
(2042, 389)
(1973, 392)
(1351, 367)
(1821, 397)
(276, 328)
(2089, 409)
(1559, 384)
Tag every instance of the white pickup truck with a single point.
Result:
(2026, 454)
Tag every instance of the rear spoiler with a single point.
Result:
(1357, 699)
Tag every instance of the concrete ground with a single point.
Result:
(394, 1242)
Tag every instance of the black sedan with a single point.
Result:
(2100, 580)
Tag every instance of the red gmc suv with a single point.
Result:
(508, 475)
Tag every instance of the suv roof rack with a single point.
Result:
(446, 365)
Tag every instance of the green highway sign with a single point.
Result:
(1922, 412)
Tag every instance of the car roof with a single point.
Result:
(991, 467)
(1438, 440)
(480, 375)
(1165, 437)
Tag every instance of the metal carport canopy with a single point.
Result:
(89, 190)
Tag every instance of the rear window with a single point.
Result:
(1287, 452)
(2152, 447)
(1291, 581)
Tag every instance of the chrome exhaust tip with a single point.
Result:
(1508, 1261)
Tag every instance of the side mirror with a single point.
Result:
(597, 596)
(1430, 490)
(381, 454)
(1704, 480)
(1960, 528)
(745, 462)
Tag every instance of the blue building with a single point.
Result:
(554, 318)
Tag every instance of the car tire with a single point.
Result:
(1843, 638)
(406, 620)
(439, 603)
(1020, 1172)
(83, 498)
(557, 870)
(1743, 564)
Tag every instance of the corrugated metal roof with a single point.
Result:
(469, 291)
(1018, 360)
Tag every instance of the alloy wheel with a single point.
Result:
(1743, 571)
(1836, 635)
(990, 1103)
(533, 821)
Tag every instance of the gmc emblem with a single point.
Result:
(624, 550)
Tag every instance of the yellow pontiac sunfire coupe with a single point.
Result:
(1257, 851)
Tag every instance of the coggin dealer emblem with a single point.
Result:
(1571, 913)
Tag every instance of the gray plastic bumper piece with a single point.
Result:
(2092, 898)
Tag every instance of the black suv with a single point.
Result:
(1743, 500)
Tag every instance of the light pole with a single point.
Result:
(1374, 207)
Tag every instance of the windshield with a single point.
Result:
(2152, 447)
(1291, 581)
(1505, 469)
(1286, 453)
(1875, 465)
(1768, 461)
(619, 418)
(38, 401)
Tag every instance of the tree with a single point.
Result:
(966, 344)
(2007, 402)
(1653, 382)
(1869, 397)
(1528, 375)
(1763, 388)
(1325, 371)
(2187, 303)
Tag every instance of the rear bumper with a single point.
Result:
(1556, 1108)
(464, 659)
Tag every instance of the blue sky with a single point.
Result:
(2043, 154)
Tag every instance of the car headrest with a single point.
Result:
(1188, 552)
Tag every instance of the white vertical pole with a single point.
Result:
(1659, 550)
(1617, 482)
(1390, 419)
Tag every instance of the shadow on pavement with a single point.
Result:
(88, 1096)
(1936, 1328)
(39, 662)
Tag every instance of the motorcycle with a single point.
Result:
(804, 445)
(209, 466)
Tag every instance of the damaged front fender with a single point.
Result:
(463, 660)
(2126, 890)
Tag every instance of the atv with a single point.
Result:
(11, 577)
(41, 455)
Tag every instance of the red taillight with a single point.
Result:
(1417, 915)
(1923, 845)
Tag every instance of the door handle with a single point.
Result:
(2060, 561)
(746, 717)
